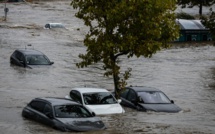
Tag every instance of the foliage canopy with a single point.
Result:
(124, 27)
(192, 3)
(209, 22)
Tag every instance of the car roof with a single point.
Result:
(90, 90)
(57, 101)
(143, 88)
(30, 52)
(53, 25)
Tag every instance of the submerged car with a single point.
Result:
(29, 58)
(147, 99)
(98, 100)
(62, 114)
(53, 25)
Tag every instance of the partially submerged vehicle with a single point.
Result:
(29, 58)
(98, 100)
(147, 99)
(62, 114)
(53, 25)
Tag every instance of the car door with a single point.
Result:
(36, 110)
(123, 96)
(45, 113)
(131, 99)
(47, 116)
(17, 58)
(76, 96)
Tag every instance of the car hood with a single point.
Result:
(170, 108)
(106, 109)
(83, 124)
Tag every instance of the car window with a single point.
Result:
(38, 105)
(164, 98)
(71, 111)
(47, 109)
(56, 26)
(131, 95)
(124, 93)
(22, 58)
(99, 98)
(76, 96)
(47, 26)
(19, 56)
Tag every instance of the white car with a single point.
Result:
(100, 101)
(53, 25)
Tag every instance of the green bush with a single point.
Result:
(186, 16)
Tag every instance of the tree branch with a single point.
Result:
(121, 53)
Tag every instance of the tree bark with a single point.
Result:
(200, 8)
(116, 83)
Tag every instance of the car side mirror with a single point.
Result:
(140, 99)
(119, 100)
(93, 114)
(22, 62)
(172, 101)
(67, 97)
(51, 62)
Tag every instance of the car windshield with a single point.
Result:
(99, 98)
(153, 97)
(37, 60)
(71, 111)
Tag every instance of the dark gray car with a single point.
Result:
(62, 114)
(29, 58)
(148, 99)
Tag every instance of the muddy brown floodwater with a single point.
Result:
(186, 74)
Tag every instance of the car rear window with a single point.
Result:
(99, 98)
(37, 105)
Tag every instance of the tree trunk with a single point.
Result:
(115, 77)
(200, 8)
(116, 82)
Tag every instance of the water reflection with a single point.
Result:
(19, 70)
(212, 83)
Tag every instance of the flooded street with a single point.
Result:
(186, 74)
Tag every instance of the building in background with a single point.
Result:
(193, 30)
